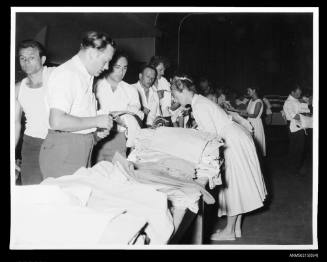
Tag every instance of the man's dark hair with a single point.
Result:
(150, 67)
(156, 60)
(97, 40)
(33, 44)
(294, 87)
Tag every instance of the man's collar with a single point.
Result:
(78, 62)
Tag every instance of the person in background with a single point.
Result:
(162, 86)
(307, 98)
(72, 108)
(241, 102)
(292, 109)
(307, 105)
(149, 98)
(206, 89)
(253, 113)
(30, 95)
(115, 95)
(243, 188)
(267, 110)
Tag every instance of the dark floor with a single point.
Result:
(286, 218)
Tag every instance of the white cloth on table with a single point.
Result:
(46, 216)
(244, 189)
(259, 133)
(111, 189)
(184, 143)
(199, 148)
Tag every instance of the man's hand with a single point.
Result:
(103, 133)
(104, 121)
(297, 117)
(146, 110)
(120, 122)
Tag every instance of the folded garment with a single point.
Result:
(149, 174)
(184, 143)
(306, 121)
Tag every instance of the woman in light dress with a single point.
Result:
(253, 113)
(243, 189)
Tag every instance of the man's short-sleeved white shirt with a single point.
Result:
(125, 97)
(152, 103)
(166, 101)
(70, 90)
(292, 107)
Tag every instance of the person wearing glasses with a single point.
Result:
(243, 188)
(72, 108)
(30, 95)
(115, 95)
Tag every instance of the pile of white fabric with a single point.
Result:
(94, 207)
(200, 149)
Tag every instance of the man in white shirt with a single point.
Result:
(148, 96)
(292, 109)
(30, 93)
(162, 86)
(72, 108)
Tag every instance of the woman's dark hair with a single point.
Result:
(118, 54)
(156, 60)
(33, 44)
(97, 40)
(257, 90)
(182, 81)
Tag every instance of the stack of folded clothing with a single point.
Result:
(198, 150)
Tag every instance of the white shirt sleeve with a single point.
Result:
(61, 91)
(290, 110)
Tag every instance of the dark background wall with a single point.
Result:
(271, 50)
(235, 50)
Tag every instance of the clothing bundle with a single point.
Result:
(200, 150)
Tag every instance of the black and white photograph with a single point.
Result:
(164, 128)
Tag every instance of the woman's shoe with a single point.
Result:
(218, 236)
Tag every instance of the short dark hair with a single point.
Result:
(118, 54)
(98, 40)
(32, 43)
(150, 67)
(294, 87)
(156, 60)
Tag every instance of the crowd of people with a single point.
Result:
(83, 112)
